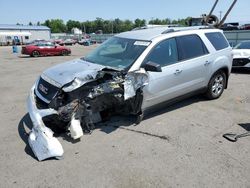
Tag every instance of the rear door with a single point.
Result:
(195, 62)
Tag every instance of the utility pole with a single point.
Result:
(112, 26)
(84, 28)
(220, 14)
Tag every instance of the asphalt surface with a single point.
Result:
(175, 146)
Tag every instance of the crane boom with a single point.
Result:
(227, 13)
(211, 19)
(211, 11)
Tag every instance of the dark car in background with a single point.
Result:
(45, 49)
(245, 27)
(230, 27)
(85, 42)
(58, 41)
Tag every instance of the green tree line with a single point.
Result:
(107, 26)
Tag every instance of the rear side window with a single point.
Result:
(40, 44)
(190, 46)
(218, 40)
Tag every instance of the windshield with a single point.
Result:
(243, 45)
(117, 52)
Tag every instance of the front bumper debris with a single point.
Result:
(41, 139)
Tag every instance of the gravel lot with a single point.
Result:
(176, 146)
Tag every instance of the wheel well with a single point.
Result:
(226, 71)
(35, 51)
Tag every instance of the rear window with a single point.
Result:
(190, 46)
(218, 40)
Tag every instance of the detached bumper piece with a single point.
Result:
(41, 139)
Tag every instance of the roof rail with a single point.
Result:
(168, 31)
(175, 29)
(152, 26)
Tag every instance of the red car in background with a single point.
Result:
(45, 49)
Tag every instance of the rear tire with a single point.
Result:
(64, 52)
(216, 85)
(35, 53)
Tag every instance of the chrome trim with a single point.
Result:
(36, 115)
(40, 96)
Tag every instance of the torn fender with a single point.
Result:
(134, 81)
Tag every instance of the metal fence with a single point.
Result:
(65, 36)
(99, 38)
(234, 37)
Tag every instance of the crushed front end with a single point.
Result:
(78, 105)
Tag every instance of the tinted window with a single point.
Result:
(243, 45)
(190, 46)
(49, 44)
(218, 40)
(40, 44)
(165, 53)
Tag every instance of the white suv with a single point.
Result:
(127, 74)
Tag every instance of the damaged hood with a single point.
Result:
(74, 74)
(241, 53)
(65, 73)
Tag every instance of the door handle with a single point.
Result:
(177, 71)
(207, 63)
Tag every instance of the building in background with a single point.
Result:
(76, 31)
(22, 34)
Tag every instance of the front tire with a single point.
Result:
(216, 85)
(35, 53)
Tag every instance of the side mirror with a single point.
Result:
(152, 66)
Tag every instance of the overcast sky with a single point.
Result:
(24, 11)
